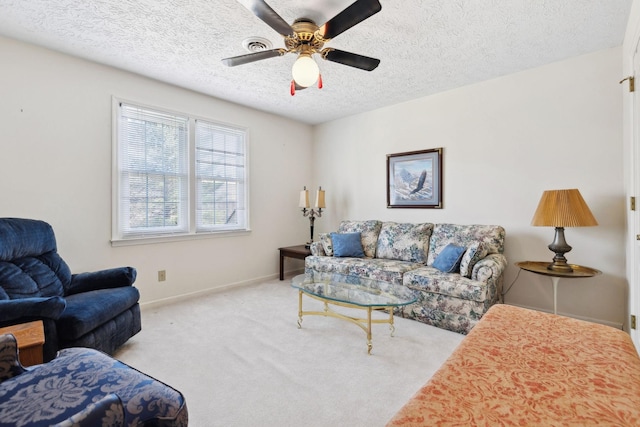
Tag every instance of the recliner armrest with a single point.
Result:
(103, 279)
(18, 310)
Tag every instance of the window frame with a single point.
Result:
(118, 238)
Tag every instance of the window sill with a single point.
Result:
(149, 240)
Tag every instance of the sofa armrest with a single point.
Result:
(24, 309)
(103, 279)
(317, 249)
(9, 363)
(489, 268)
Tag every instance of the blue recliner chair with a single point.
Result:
(98, 310)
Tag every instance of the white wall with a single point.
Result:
(505, 141)
(55, 140)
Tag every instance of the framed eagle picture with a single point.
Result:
(414, 179)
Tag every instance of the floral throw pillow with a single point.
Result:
(327, 245)
(475, 252)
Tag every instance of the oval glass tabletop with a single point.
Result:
(354, 290)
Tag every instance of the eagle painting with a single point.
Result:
(423, 177)
(411, 186)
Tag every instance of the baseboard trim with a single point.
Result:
(588, 319)
(182, 297)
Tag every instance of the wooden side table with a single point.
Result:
(30, 338)
(540, 267)
(298, 252)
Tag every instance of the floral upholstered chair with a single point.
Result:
(85, 388)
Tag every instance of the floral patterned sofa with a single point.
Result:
(404, 254)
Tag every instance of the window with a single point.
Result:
(220, 174)
(177, 175)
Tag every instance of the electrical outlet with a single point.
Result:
(162, 275)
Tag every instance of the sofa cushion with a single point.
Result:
(88, 310)
(465, 235)
(404, 241)
(369, 230)
(387, 270)
(347, 245)
(429, 279)
(473, 254)
(449, 258)
(327, 244)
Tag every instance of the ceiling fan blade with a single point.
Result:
(352, 15)
(263, 11)
(351, 59)
(252, 57)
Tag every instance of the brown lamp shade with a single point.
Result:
(563, 208)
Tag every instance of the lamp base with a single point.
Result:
(560, 267)
(559, 246)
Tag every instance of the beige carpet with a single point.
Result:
(240, 360)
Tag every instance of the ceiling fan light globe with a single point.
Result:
(305, 71)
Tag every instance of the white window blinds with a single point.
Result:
(153, 171)
(220, 177)
(177, 175)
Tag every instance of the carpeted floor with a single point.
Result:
(240, 360)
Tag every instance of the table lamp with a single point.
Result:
(560, 209)
(311, 213)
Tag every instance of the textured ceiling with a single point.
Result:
(425, 46)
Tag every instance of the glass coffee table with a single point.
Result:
(352, 292)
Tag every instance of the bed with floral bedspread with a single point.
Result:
(520, 367)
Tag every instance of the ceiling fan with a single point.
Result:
(305, 39)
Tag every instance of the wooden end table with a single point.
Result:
(298, 252)
(540, 267)
(30, 338)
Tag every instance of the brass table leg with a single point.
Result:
(369, 344)
(392, 328)
(363, 323)
(299, 309)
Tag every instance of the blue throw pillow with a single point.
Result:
(347, 245)
(448, 261)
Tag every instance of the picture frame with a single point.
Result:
(414, 179)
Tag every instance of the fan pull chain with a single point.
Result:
(319, 81)
(293, 87)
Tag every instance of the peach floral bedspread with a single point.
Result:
(520, 367)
